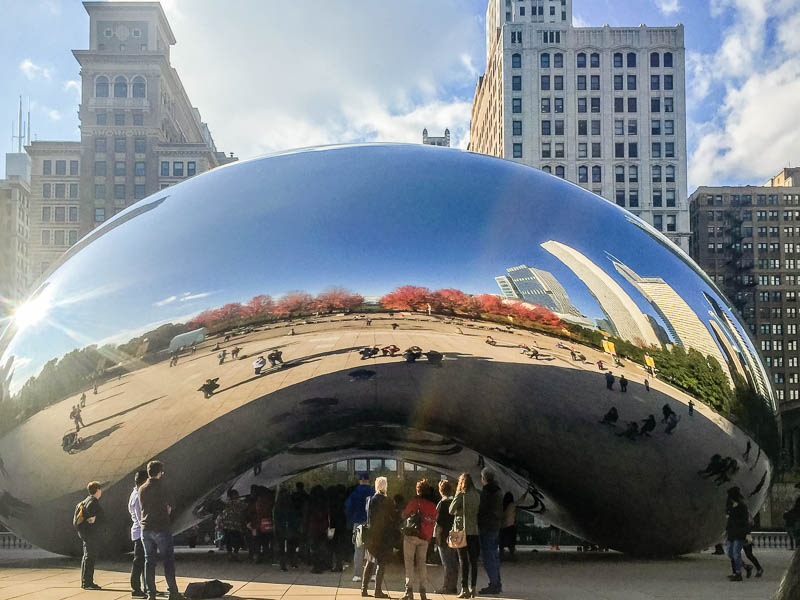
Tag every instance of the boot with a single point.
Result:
(368, 569)
(379, 593)
(409, 595)
(422, 595)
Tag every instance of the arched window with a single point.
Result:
(546, 169)
(560, 172)
(668, 59)
(516, 61)
(581, 60)
(595, 60)
(138, 87)
(619, 174)
(656, 174)
(545, 60)
(597, 174)
(670, 174)
(631, 59)
(101, 87)
(583, 174)
(120, 87)
(633, 174)
(655, 59)
(617, 60)
(558, 60)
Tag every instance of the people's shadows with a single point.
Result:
(89, 441)
(124, 412)
(107, 397)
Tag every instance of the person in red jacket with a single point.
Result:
(419, 518)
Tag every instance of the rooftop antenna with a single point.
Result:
(28, 124)
(20, 135)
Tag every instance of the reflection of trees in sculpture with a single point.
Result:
(699, 375)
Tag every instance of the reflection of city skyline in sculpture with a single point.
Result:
(628, 322)
(541, 287)
(682, 322)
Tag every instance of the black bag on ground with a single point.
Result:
(207, 589)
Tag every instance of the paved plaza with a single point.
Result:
(543, 575)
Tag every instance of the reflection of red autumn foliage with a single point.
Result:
(294, 303)
(337, 299)
(451, 301)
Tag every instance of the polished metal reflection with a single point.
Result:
(518, 289)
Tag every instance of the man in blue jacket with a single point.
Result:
(356, 510)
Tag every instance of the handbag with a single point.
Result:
(265, 525)
(413, 525)
(458, 539)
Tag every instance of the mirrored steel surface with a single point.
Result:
(514, 285)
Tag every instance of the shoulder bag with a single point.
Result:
(458, 539)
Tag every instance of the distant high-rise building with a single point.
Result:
(536, 286)
(604, 107)
(507, 287)
(436, 141)
(139, 131)
(14, 231)
(789, 177)
(625, 317)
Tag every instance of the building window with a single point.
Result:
(120, 87)
(594, 60)
(139, 145)
(667, 82)
(138, 191)
(669, 150)
(164, 168)
(655, 152)
(655, 82)
(544, 60)
(45, 237)
(618, 80)
(516, 127)
(656, 174)
(581, 82)
(583, 151)
(516, 61)
(619, 150)
(582, 129)
(73, 190)
(631, 105)
(138, 87)
(619, 173)
(657, 199)
(99, 215)
(58, 238)
(99, 191)
(119, 118)
(631, 82)
(670, 198)
(46, 190)
(138, 118)
(658, 222)
(560, 150)
(596, 150)
(631, 60)
(558, 82)
(517, 150)
(581, 105)
(668, 59)
(595, 105)
(633, 150)
(61, 167)
(73, 167)
(671, 223)
(73, 214)
(597, 173)
(633, 198)
(545, 85)
(560, 172)
(655, 61)
(119, 191)
(618, 60)
(559, 105)
(619, 105)
(100, 168)
(516, 83)
(655, 127)
(545, 105)
(655, 105)
(546, 150)
(191, 168)
(101, 87)
(670, 174)
(102, 118)
(47, 167)
(620, 197)
(46, 214)
(138, 168)
(546, 128)
(619, 127)
(669, 127)
(73, 237)
(177, 169)
(558, 60)
(61, 190)
(583, 174)
(120, 144)
(99, 145)
(595, 126)
(516, 105)
(668, 105)
(633, 174)
(581, 60)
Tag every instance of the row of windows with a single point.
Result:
(61, 167)
(747, 199)
(120, 191)
(761, 215)
(594, 58)
(59, 190)
(60, 214)
(119, 118)
(120, 168)
(593, 104)
(59, 237)
(120, 145)
(120, 87)
(177, 168)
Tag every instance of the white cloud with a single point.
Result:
(579, 21)
(753, 133)
(187, 297)
(165, 301)
(33, 71)
(74, 86)
(353, 72)
(668, 6)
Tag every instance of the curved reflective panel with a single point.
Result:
(425, 302)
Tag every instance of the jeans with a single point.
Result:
(449, 558)
(358, 553)
(90, 543)
(490, 550)
(155, 543)
(414, 552)
(468, 562)
(137, 570)
(286, 547)
(735, 554)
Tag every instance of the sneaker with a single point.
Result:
(759, 572)
(491, 589)
(356, 578)
(176, 596)
(748, 570)
(91, 586)
(138, 594)
(737, 577)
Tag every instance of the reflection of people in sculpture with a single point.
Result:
(412, 354)
(390, 350)
(666, 411)
(611, 417)
(216, 347)
(173, 359)
(368, 352)
(259, 364)
(623, 383)
(235, 352)
(672, 423)
(610, 380)
(275, 357)
(490, 340)
(292, 331)
(600, 364)
(648, 425)
(395, 326)
(75, 415)
(434, 357)
(208, 387)
(95, 389)
(222, 356)
(3, 467)
(647, 386)
(631, 432)
(691, 407)
(194, 347)
(227, 337)
(83, 399)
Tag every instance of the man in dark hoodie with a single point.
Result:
(356, 510)
(490, 519)
(737, 528)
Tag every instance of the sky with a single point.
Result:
(270, 75)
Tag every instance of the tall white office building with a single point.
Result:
(604, 107)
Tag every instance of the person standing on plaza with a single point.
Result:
(138, 580)
(609, 380)
(508, 532)
(381, 528)
(156, 504)
(444, 524)
(300, 503)
(737, 528)
(490, 518)
(316, 529)
(419, 520)
(87, 520)
(233, 522)
(356, 511)
(286, 523)
(464, 508)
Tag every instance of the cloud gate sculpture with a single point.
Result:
(442, 306)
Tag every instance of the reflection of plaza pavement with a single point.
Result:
(538, 415)
(565, 575)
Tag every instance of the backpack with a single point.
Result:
(207, 589)
(413, 525)
(79, 517)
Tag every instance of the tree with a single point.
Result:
(259, 308)
(407, 297)
(335, 299)
(294, 303)
(448, 301)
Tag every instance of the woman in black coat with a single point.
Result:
(382, 528)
